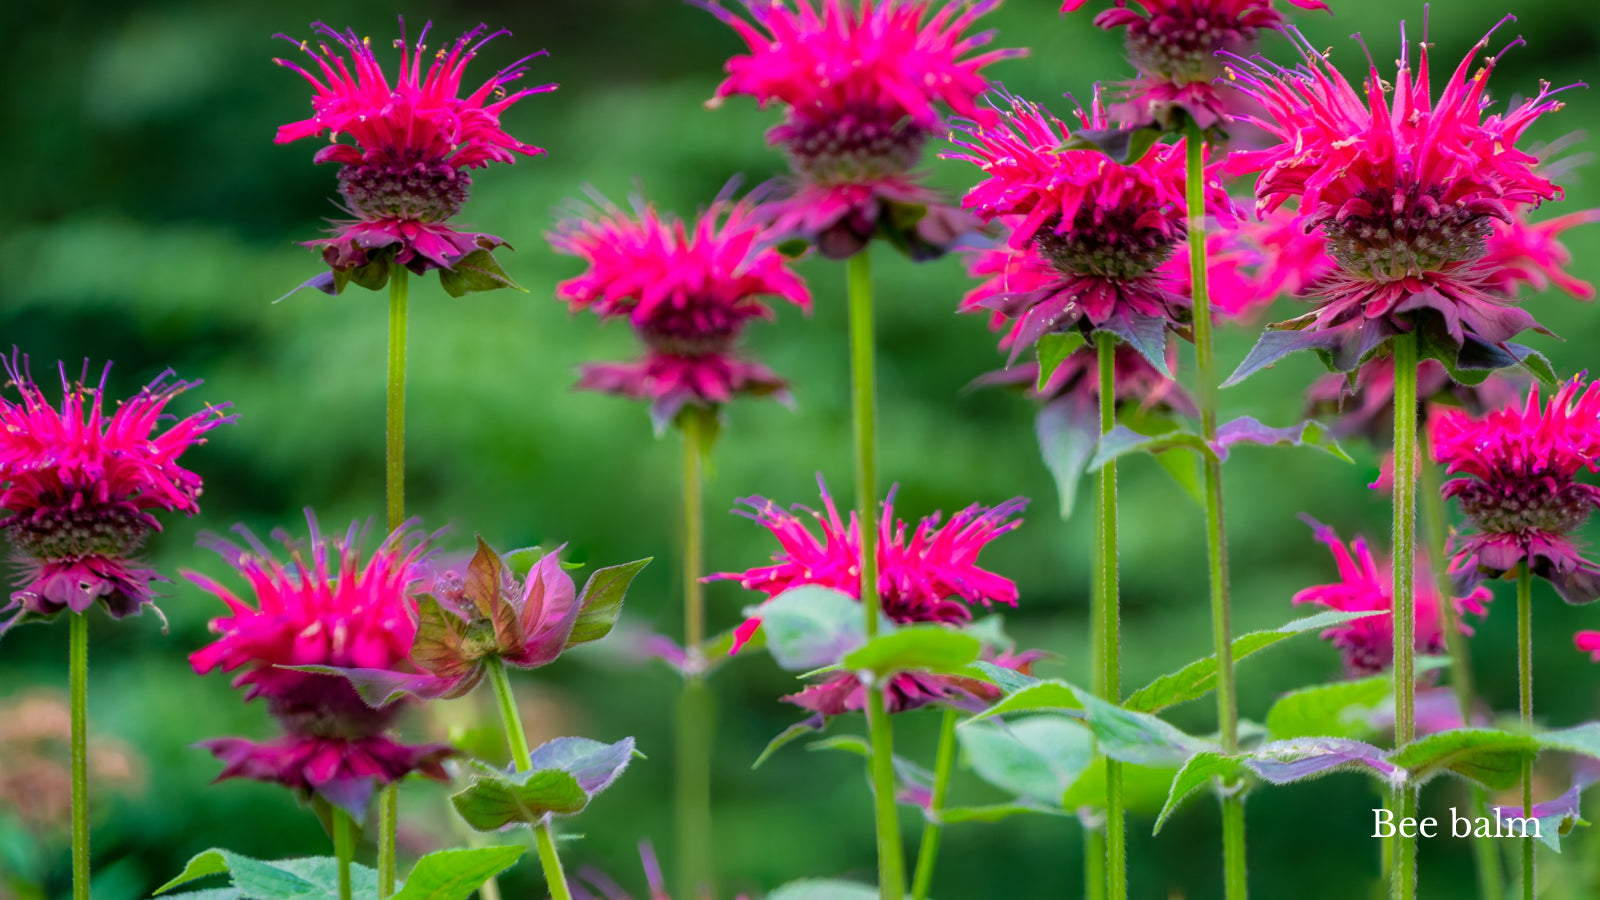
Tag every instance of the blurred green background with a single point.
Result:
(149, 219)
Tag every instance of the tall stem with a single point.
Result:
(344, 847)
(1094, 835)
(1403, 884)
(1525, 705)
(1235, 882)
(695, 712)
(511, 720)
(78, 665)
(1486, 857)
(394, 492)
(1110, 629)
(864, 403)
(944, 764)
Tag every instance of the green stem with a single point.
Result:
(511, 720)
(1525, 705)
(1233, 843)
(891, 862)
(394, 472)
(944, 764)
(1094, 836)
(1110, 629)
(695, 705)
(1403, 885)
(1094, 863)
(1486, 857)
(344, 847)
(78, 665)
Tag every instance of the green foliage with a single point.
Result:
(1036, 757)
(565, 775)
(601, 601)
(824, 889)
(443, 875)
(919, 648)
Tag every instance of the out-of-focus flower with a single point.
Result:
(405, 177)
(686, 292)
(1088, 235)
(1174, 45)
(844, 692)
(35, 779)
(861, 84)
(593, 884)
(1367, 644)
(1588, 642)
(1520, 252)
(328, 608)
(1405, 189)
(82, 487)
(1518, 486)
(1076, 380)
(1367, 406)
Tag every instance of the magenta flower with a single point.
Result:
(327, 607)
(1588, 642)
(82, 488)
(405, 177)
(862, 85)
(1088, 235)
(1520, 252)
(1517, 486)
(1405, 189)
(1367, 406)
(686, 292)
(844, 692)
(1367, 644)
(1174, 45)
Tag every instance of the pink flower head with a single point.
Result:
(1367, 644)
(1254, 262)
(1174, 46)
(1406, 189)
(1518, 486)
(1520, 253)
(82, 487)
(1588, 642)
(844, 692)
(1077, 380)
(932, 575)
(405, 176)
(328, 608)
(1367, 406)
(862, 84)
(687, 292)
(1088, 235)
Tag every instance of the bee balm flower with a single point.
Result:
(862, 84)
(82, 487)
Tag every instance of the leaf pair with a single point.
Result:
(565, 775)
(444, 875)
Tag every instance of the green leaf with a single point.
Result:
(1488, 756)
(305, 878)
(1144, 788)
(1041, 695)
(1198, 770)
(1122, 440)
(1199, 677)
(1008, 680)
(810, 626)
(1068, 429)
(601, 601)
(847, 743)
(1123, 145)
(1331, 710)
(1053, 350)
(916, 648)
(1581, 739)
(211, 862)
(1037, 757)
(798, 730)
(1136, 737)
(824, 889)
(475, 272)
(1185, 470)
(455, 874)
(522, 561)
(955, 815)
(496, 799)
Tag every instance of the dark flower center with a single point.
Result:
(1105, 243)
(327, 706)
(1545, 505)
(418, 191)
(851, 148)
(1420, 234)
(66, 531)
(691, 331)
(1181, 49)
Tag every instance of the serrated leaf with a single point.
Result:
(601, 601)
(1332, 710)
(815, 724)
(1488, 756)
(1199, 677)
(497, 799)
(477, 271)
(1284, 762)
(1041, 695)
(302, 878)
(1275, 345)
(1053, 350)
(1136, 737)
(915, 648)
(1247, 430)
(485, 587)
(1197, 771)
(809, 627)
(1145, 334)
(594, 764)
(455, 874)
(824, 889)
(1535, 364)
(1068, 430)
(1038, 757)
(1122, 440)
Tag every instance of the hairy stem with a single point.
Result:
(1110, 629)
(696, 713)
(891, 862)
(511, 721)
(78, 664)
(1525, 706)
(944, 764)
(394, 485)
(1094, 835)
(344, 848)
(1403, 884)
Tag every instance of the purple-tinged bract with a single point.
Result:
(328, 606)
(82, 487)
(1367, 644)
(405, 177)
(687, 291)
(1518, 486)
(862, 84)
